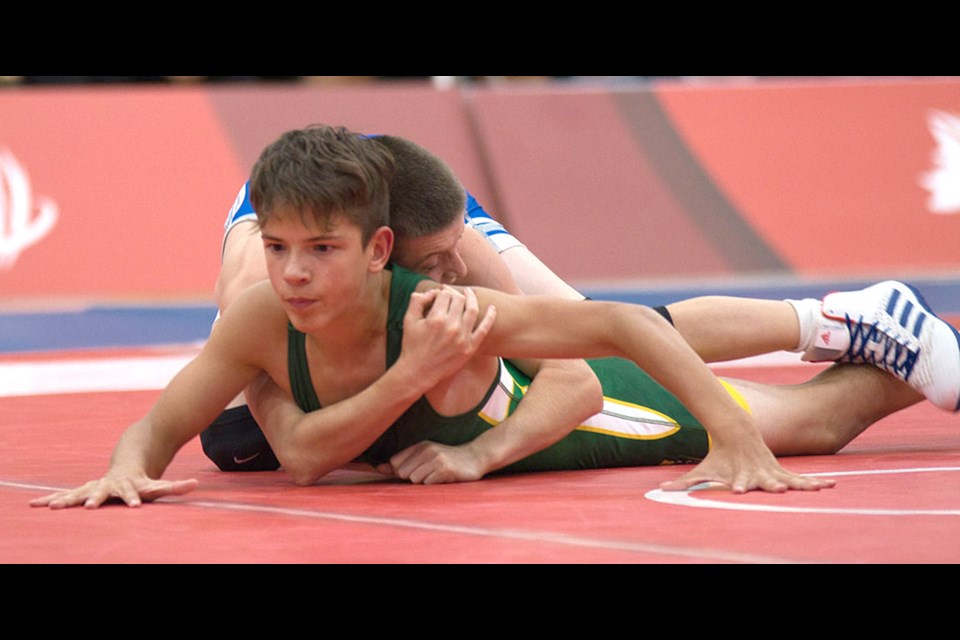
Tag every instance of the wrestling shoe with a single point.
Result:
(892, 327)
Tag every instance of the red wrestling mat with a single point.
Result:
(897, 501)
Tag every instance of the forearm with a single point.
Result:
(546, 327)
(134, 453)
(312, 444)
(561, 396)
(652, 343)
(190, 402)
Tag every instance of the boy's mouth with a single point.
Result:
(299, 303)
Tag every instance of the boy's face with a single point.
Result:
(436, 255)
(319, 273)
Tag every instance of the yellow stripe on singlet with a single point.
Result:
(737, 396)
(628, 420)
(502, 400)
(618, 418)
(636, 422)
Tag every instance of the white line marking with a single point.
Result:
(686, 498)
(540, 537)
(89, 376)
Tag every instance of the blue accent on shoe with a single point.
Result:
(918, 326)
(892, 303)
(895, 358)
(926, 307)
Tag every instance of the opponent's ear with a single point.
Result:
(381, 246)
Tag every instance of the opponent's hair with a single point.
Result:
(323, 172)
(425, 194)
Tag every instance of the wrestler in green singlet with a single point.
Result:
(641, 423)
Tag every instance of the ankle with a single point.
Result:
(820, 338)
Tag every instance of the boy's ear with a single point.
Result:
(381, 245)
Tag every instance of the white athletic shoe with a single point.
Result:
(892, 327)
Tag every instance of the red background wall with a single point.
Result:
(794, 179)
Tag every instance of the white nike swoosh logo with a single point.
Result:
(245, 460)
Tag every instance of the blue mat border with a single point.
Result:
(130, 326)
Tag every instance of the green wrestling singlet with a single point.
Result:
(641, 423)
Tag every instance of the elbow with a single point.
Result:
(304, 475)
(291, 440)
(303, 470)
(303, 479)
(296, 467)
(593, 394)
(587, 391)
(631, 325)
(229, 286)
(642, 316)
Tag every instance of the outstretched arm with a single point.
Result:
(146, 448)
(548, 327)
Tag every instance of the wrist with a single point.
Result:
(407, 379)
(485, 458)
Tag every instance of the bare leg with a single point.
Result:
(719, 328)
(822, 415)
(723, 328)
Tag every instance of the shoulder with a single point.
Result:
(252, 332)
(260, 296)
(254, 312)
(485, 267)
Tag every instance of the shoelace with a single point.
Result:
(873, 344)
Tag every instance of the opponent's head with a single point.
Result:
(427, 204)
(322, 173)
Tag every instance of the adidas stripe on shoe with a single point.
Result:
(892, 327)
